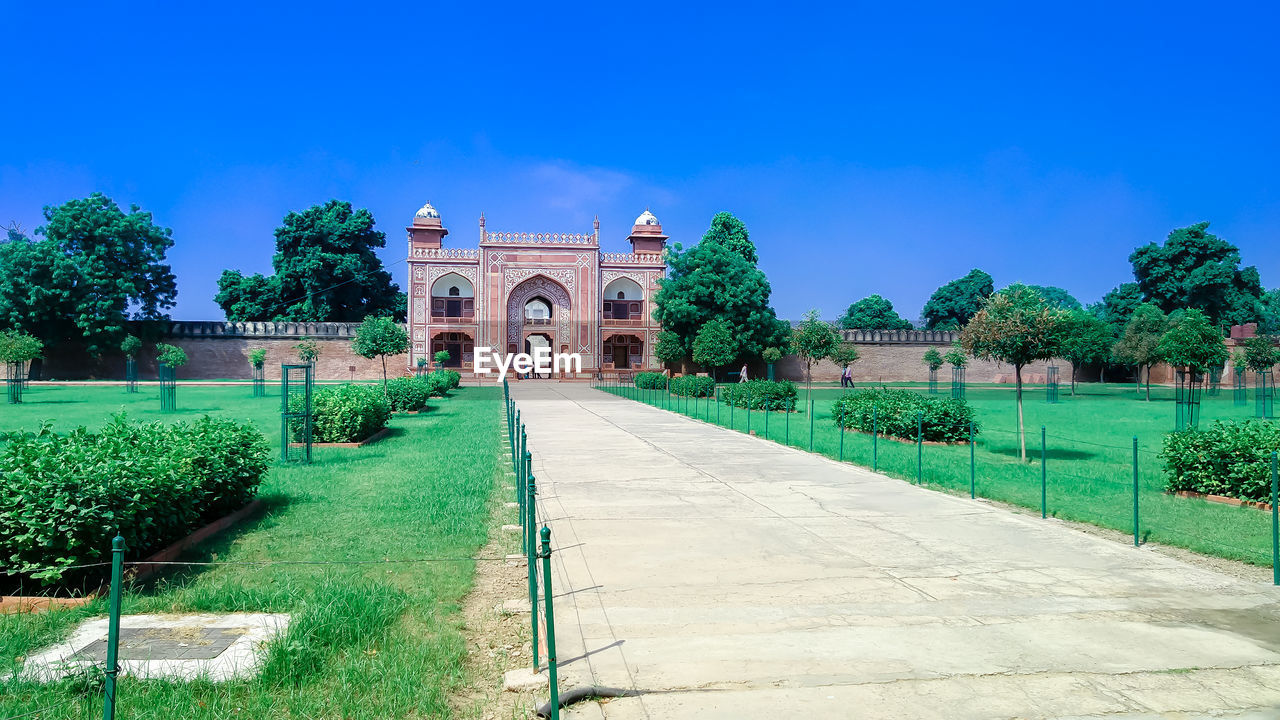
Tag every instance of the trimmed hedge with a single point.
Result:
(344, 413)
(442, 381)
(63, 497)
(408, 393)
(651, 380)
(693, 386)
(944, 419)
(1227, 458)
(761, 394)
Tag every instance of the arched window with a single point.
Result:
(453, 291)
(537, 311)
(622, 295)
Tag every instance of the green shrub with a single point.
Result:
(170, 355)
(344, 413)
(444, 380)
(943, 419)
(761, 394)
(1228, 458)
(693, 386)
(63, 497)
(408, 393)
(651, 380)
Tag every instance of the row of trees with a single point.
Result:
(1193, 268)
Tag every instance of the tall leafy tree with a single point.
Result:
(1057, 297)
(1194, 344)
(1139, 344)
(715, 279)
(325, 271)
(94, 268)
(1260, 353)
(1196, 269)
(1117, 306)
(1269, 320)
(715, 346)
(873, 313)
(378, 337)
(1087, 340)
(812, 341)
(1018, 327)
(953, 304)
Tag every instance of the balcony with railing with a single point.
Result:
(624, 313)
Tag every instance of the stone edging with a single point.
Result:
(371, 439)
(1223, 499)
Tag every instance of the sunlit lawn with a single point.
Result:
(367, 641)
(1089, 454)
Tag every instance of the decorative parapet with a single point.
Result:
(523, 238)
(447, 253)
(631, 258)
(904, 337)
(319, 330)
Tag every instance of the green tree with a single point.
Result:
(258, 357)
(171, 355)
(933, 359)
(771, 355)
(956, 357)
(1057, 297)
(1139, 344)
(308, 351)
(441, 357)
(1260, 353)
(19, 347)
(668, 347)
(1018, 327)
(873, 313)
(717, 278)
(378, 337)
(714, 346)
(1197, 269)
(953, 304)
(1269, 320)
(812, 340)
(1193, 344)
(1117, 306)
(1088, 339)
(846, 353)
(130, 346)
(95, 268)
(325, 271)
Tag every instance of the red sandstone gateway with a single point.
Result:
(518, 292)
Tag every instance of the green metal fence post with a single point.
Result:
(113, 629)
(1275, 523)
(919, 448)
(1135, 491)
(841, 442)
(551, 624)
(748, 412)
(766, 420)
(875, 441)
(973, 471)
(717, 404)
(531, 555)
(810, 425)
(1044, 476)
(786, 436)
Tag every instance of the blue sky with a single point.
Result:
(869, 149)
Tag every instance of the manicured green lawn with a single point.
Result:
(1089, 458)
(367, 641)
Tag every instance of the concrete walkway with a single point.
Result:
(730, 577)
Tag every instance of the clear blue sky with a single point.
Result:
(868, 149)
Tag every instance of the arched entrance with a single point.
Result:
(540, 306)
(533, 344)
(623, 352)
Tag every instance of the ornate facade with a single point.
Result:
(516, 292)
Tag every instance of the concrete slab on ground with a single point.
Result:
(731, 577)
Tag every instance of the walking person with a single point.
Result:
(742, 374)
(846, 377)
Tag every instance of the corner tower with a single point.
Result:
(646, 235)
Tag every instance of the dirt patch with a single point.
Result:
(496, 641)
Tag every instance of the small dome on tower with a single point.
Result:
(647, 218)
(427, 211)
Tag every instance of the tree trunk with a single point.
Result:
(808, 372)
(1148, 383)
(384, 375)
(1022, 435)
(1073, 379)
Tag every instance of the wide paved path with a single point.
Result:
(730, 577)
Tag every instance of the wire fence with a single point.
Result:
(1115, 485)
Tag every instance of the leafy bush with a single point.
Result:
(344, 413)
(445, 380)
(258, 357)
(408, 393)
(170, 355)
(308, 351)
(761, 394)
(944, 419)
(693, 386)
(130, 345)
(1229, 458)
(19, 347)
(651, 380)
(63, 497)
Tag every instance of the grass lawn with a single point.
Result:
(366, 641)
(1089, 457)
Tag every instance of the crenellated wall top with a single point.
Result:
(317, 330)
(905, 337)
(526, 238)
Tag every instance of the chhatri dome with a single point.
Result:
(647, 218)
(427, 211)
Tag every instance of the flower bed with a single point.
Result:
(896, 413)
(62, 497)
